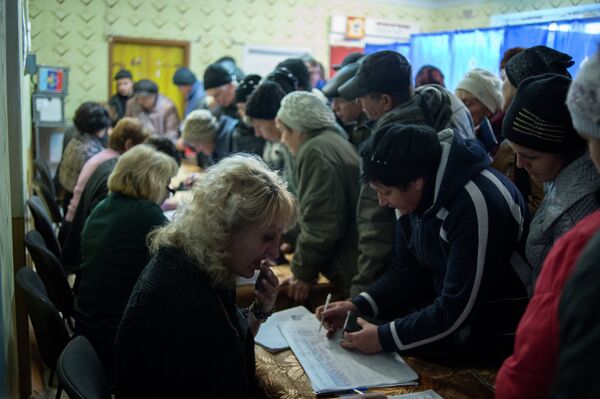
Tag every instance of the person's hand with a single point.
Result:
(334, 317)
(365, 340)
(297, 289)
(269, 287)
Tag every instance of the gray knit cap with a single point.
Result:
(200, 126)
(583, 99)
(305, 112)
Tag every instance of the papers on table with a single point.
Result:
(430, 394)
(269, 335)
(332, 368)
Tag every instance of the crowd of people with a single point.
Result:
(452, 223)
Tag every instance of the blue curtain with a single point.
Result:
(402, 48)
(576, 39)
(431, 49)
(457, 52)
(524, 36)
(479, 48)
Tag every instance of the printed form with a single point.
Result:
(332, 368)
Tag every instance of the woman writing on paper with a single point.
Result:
(181, 329)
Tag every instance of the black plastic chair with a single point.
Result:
(42, 223)
(41, 189)
(50, 330)
(80, 371)
(52, 274)
(43, 171)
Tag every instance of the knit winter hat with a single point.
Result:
(485, 87)
(397, 154)
(200, 126)
(183, 76)
(537, 60)
(538, 117)
(246, 87)
(123, 74)
(264, 102)
(216, 75)
(300, 71)
(145, 87)
(305, 112)
(583, 99)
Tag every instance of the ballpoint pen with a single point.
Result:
(325, 309)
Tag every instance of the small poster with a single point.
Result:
(51, 80)
(355, 27)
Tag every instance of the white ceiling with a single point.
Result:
(433, 3)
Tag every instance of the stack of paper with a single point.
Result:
(269, 335)
(332, 368)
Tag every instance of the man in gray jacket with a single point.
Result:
(383, 87)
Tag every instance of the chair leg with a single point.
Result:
(58, 391)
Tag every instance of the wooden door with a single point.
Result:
(156, 60)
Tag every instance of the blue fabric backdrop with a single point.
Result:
(457, 52)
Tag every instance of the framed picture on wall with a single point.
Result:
(355, 27)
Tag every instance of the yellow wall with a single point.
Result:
(74, 32)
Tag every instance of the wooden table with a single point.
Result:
(282, 376)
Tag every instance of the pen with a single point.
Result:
(346, 322)
(325, 309)
(358, 391)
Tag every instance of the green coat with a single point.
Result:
(327, 177)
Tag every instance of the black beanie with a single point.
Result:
(300, 71)
(397, 154)
(538, 117)
(246, 87)
(183, 76)
(216, 75)
(537, 60)
(123, 74)
(285, 78)
(265, 101)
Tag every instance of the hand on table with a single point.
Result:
(297, 289)
(365, 340)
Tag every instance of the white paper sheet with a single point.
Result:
(50, 109)
(430, 394)
(269, 335)
(332, 368)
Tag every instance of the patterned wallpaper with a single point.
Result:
(74, 32)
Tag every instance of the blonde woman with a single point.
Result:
(181, 329)
(113, 244)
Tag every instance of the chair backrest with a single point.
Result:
(80, 371)
(41, 189)
(42, 223)
(51, 272)
(43, 171)
(50, 330)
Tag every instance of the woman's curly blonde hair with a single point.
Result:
(237, 193)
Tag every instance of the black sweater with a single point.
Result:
(182, 337)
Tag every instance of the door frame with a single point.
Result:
(185, 45)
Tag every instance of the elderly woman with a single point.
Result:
(212, 138)
(481, 92)
(327, 176)
(113, 244)
(547, 146)
(181, 329)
